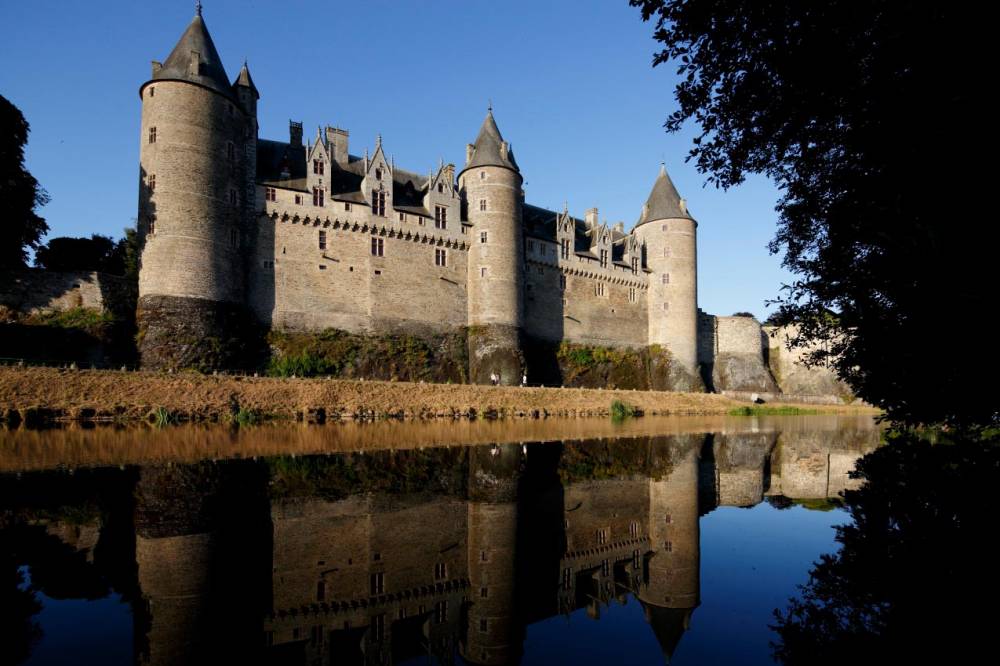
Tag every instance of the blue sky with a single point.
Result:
(571, 85)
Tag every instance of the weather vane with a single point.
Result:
(197, 7)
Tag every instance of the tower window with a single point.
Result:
(378, 203)
(564, 248)
(317, 196)
(599, 289)
(604, 258)
(665, 278)
(440, 217)
(347, 206)
(270, 194)
(298, 199)
(482, 272)
(152, 91)
(150, 226)
(631, 295)
(378, 247)
(666, 307)
(440, 257)
(484, 593)
(482, 204)
(482, 175)
(378, 627)
(152, 182)
(402, 217)
(635, 265)
(602, 536)
(562, 282)
(322, 239)
(440, 571)
(376, 583)
(320, 590)
(152, 135)
(318, 167)
(441, 612)
(482, 236)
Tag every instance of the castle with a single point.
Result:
(303, 235)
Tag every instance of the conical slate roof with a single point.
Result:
(664, 203)
(243, 79)
(211, 73)
(487, 148)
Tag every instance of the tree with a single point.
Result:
(20, 194)
(869, 118)
(97, 253)
(914, 564)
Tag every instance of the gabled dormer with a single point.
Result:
(565, 234)
(318, 166)
(631, 251)
(600, 238)
(441, 199)
(376, 186)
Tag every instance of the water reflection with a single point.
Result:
(379, 556)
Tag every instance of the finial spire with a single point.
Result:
(197, 8)
(489, 105)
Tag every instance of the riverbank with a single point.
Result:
(55, 394)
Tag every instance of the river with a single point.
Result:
(487, 542)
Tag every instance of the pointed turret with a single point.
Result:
(490, 149)
(196, 60)
(664, 203)
(243, 80)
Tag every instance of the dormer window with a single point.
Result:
(440, 187)
(378, 174)
(317, 196)
(604, 258)
(378, 203)
(318, 167)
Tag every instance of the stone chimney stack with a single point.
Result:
(336, 141)
(591, 217)
(294, 133)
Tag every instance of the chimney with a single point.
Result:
(619, 227)
(449, 174)
(157, 66)
(469, 149)
(294, 133)
(591, 217)
(336, 141)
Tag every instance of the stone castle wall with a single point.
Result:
(34, 291)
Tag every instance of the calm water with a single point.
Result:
(534, 542)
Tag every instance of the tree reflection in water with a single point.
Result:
(913, 563)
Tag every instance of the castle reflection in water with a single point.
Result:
(383, 556)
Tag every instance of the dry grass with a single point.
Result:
(135, 395)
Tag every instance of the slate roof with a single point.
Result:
(211, 74)
(541, 223)
(487, 148)
(244, 79)
(408, 188)
(664, 203)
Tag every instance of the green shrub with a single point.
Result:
(621, 410)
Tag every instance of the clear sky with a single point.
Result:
(571, 83)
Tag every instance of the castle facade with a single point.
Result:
(303, 235)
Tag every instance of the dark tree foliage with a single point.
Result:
(97, 253)
(914, 567)
(20, 194)
(744, 314)
(871, 118)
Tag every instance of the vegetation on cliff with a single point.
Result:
(440, 358)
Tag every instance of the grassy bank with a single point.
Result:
(46, 393)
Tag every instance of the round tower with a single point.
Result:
(490, 186)
(668, 235)
(196, 196)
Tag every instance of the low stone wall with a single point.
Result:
(34, 291)
(792, 374)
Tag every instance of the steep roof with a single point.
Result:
(664, 203)
(487, 149)
(211, 73)
(243, 79)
